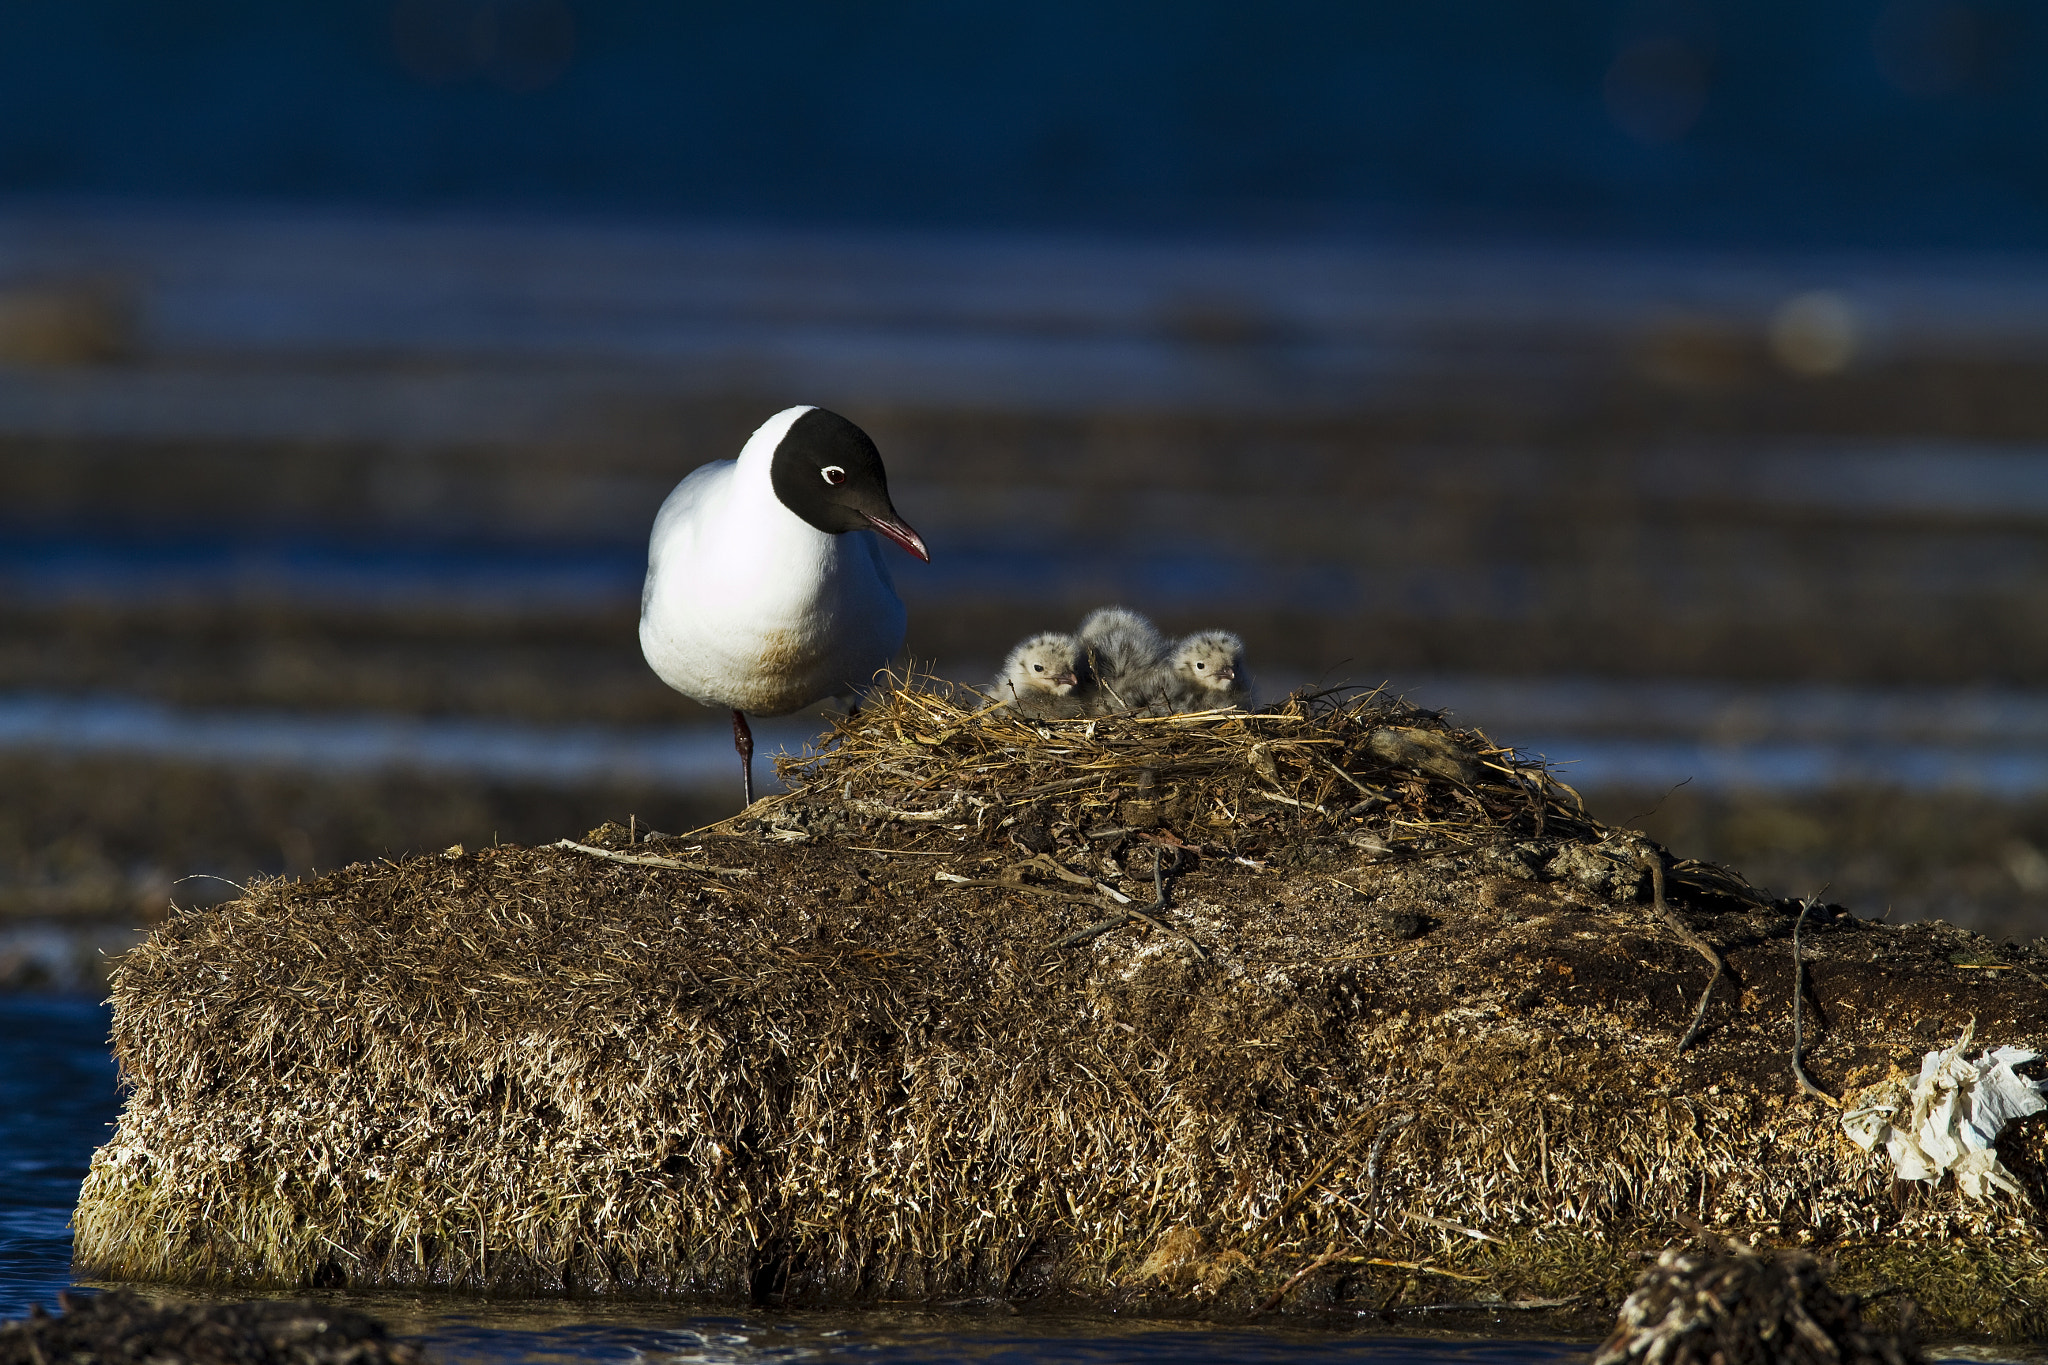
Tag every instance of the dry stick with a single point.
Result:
(876, 810)
(1096, 930)
(1290, 801)
(1369, 793)
(1448, 1226)
(1343, 1145)
(1043, 863)
(652, 860)
(1798, 993)
(1064, 784)
(1691, 940)
(1427, 1269)
(1379, 1143)
(1329, 1255)
(1013, 877)
(1043, 893)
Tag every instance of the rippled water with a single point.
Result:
(1601, 733)
(57, 1096)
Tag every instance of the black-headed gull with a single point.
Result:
(765, 591)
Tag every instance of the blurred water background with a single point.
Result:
(1657, 384)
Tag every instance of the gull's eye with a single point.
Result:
(1199, 666)
(833, 475)
(1038, 668)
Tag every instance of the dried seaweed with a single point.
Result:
(833, 1049)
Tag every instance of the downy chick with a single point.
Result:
(1205, 671)
(1128, 656)
(1046, 678)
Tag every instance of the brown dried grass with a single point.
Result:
(890, 1036)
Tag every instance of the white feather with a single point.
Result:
(749, 606)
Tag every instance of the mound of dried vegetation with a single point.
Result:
(1331, 1008)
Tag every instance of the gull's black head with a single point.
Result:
(829, 473)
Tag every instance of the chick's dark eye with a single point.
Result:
(1199, 665)
(1038, 668)
(833, 474)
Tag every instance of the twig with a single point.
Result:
(1798, 995)
(209, 877)
(1043, 863)
(1690, 939)
(652, 860)
(1438, 1270)
(1379, 1143)
(1369, 793)
(1290, 801)
(1332, 1257)
(1486, 1305)
(1328, 1256)
(1063, 784)
(1090, 933)
(1042, 892)
(878, 811)
(1448, 1226)
(1342, 1145)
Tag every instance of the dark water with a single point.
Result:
(1853, 120)
(57, 1096)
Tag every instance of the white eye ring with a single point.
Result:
(833, 475)
(1199, 665)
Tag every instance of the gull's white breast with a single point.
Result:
(749, 606)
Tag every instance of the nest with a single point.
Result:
(1362, 767)
(1332, 1007)
(1319, 772)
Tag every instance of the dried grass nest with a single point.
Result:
(1331, 1008)
(1348, 772)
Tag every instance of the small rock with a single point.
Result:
(123, 1328)
(1741, 1307)
(1407, 924)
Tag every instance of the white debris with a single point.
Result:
(1951, 1118)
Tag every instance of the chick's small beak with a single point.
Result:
(1226, 674)
(901, 533)
(1066, 679)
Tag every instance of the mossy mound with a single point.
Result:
(1401, 1029)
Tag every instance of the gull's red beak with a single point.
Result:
(901, 534)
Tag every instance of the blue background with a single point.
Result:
(1835, 121)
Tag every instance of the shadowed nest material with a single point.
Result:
(122, 1328)
(1739, 1308)
(1332, 1007)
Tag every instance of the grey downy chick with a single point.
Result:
(1127, 655)
(1046, 678)
(1206, 670)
